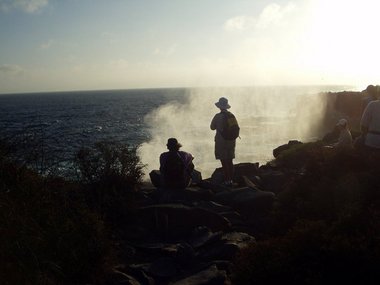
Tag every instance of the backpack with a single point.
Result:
(231, 127)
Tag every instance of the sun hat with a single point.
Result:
(173, 143)
(342, 122)
(222, 103)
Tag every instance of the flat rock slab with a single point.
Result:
(209, 276)
(181, 219)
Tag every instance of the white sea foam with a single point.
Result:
(268, 117)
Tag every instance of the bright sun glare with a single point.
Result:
(344, 39)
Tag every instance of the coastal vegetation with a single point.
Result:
(62, 231)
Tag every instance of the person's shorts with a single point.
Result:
(224, 149)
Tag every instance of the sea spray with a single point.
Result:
(268, 117)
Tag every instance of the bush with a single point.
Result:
(298, 155)
(108, 161)
(112, 174)
(49, 235)
(58, 230)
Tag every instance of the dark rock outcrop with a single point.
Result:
(277, 151)
(240, 170)
(209, 276)
(179, 219)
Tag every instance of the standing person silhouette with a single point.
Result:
(370, 124)
(227, 130)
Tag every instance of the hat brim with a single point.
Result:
(220, 106)
(342, 122)
(174, 145)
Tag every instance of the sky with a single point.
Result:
(55, 45)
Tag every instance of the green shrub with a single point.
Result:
(298, 155)
(47, 235)
(108, 160)
(58, 230)
(111, 174)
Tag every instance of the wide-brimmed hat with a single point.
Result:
(173, 143)
(222, 103)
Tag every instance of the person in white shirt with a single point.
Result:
(345, 137)
(370, 124)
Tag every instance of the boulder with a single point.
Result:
(217, 176)
(213, 206)
(253, 202)
(277, 151)
(139, 271)
(209, 276)
(245, 169)
(227, 247)
(179, 220)
(240, 169)
(236, 220)
(196, 177)
(273, 180)
(163, 267)
(117, 277)
(158, 248)
(155, 177)
(202, 236)
(186, 195)
(247, 200)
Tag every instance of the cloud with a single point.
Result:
(47, 45)
(274, 15)
(239, 23)
(168, 51)
(271, 16)
(11, 69)
(28, 6)
(57, 43)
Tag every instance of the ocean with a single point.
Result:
(60, 123)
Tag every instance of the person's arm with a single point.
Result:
(345, 139)
(161, 161)
(213, 123)
(191, 164)
(187, 157)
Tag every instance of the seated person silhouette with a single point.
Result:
(345, 137)
(176, 166)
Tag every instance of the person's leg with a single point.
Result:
(224, 169)
(228, 169)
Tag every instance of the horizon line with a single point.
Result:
(178, 87)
